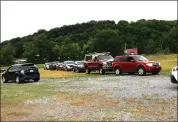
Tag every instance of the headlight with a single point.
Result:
(104, 63)
(68, 66)
(22, 72)
(149, 64)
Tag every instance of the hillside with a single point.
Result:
(73, 41)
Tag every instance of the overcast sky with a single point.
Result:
(21, 18)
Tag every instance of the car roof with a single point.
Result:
(68, 61)
(24, 64)
(127, 55)
(80, 61)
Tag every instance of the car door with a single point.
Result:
(131, 64)
(11, 73)
(123, 63)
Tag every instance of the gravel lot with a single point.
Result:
(105, 98)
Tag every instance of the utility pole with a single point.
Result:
(125, 48)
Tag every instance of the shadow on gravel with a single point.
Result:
(174, 87)
(24, 82)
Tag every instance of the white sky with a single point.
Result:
(21, 18)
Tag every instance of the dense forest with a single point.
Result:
(72, 42)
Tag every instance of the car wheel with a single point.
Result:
(101, 71)
(87, 71)
(141, 71)
(4, 80)
(77, 70)
(36, 80)
(73, 69)
(17, 79)
(66, 69)
(173, 80)
(118, 71)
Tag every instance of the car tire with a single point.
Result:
(36, 80)
(141, 71)
(73, 69)
(77, 70)
(173, 80)
(118, 71)
(4, 80)
(66, 69)
(101, 71)
(87, 71)
(17, 80)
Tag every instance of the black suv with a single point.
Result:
(21, 72)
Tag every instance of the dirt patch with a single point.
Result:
(98, 99)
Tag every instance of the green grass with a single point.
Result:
(167, 62)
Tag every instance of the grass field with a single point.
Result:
(167, 63)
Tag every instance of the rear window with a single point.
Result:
(28, 66)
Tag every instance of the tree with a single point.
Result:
(7, 54)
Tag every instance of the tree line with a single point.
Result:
(72, 42)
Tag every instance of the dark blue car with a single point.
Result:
(79, 66)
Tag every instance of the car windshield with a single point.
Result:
(69, 62)
(79, 62)
(140, 58)
(104, 57)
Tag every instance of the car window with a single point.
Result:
(80, 62)
(13, 68)
(130, 58)
(140, 58)
(88, 58)
(124, 59)
(116, 59)
(69, 62)
(103, 57)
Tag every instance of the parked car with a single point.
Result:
(52, 66)
(174, 75)
(21, 72)
(46, 66)
(68, 65)
(101, 62)
(60, 66)
(135, 64)
(79, 66)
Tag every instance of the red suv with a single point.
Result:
(135, 64)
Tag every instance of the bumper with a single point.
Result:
(153, 69)
(107, 68)
(173, 80)
(29, 77)
(69, 68)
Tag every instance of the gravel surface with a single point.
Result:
(127, 86)
(105, 98)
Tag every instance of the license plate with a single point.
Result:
(31, 70)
